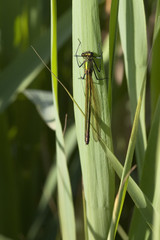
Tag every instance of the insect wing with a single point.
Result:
(95, 116)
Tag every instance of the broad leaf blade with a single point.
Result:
(132, 27)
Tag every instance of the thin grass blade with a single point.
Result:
(155, 69)
(65, 201)
(132, 26)
(149, 182)
(127, 166)
(112, 44)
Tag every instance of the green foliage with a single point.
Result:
(98, 175)
(40, 177)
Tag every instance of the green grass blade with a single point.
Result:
(54, 66)
(50, 185)
(65, 202)
(98, 177)
(132, 27)
(155, 70)
(127, 166)
(149, 179)
(156, 200)
(141, 201)
(43, 101)
(112, 44)
(122, 233)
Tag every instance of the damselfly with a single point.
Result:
(91, 96)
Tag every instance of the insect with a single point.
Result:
(91, 96)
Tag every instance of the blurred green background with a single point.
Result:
(27, 145)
